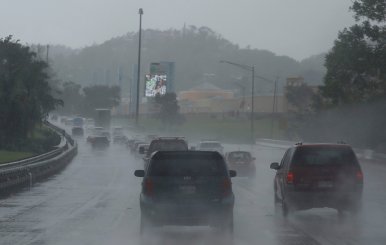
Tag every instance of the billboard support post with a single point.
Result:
(139, 66)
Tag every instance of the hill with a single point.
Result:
(195, 51)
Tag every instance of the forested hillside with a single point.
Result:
(195, 51)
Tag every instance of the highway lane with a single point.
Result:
(95, 201)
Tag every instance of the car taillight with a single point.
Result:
(290, 177)
(226, 187)
(359, 175)
(148, 187)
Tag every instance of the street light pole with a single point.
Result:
(252, 70)
(253, 105)
(139, 66)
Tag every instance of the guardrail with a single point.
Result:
(27, 171)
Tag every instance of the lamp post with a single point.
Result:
(140, 12)
(252, 70)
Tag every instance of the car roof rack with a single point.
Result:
(299, 143)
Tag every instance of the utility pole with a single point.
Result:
(253, 106)
(47, 50)
(140, 12)
(274, 105)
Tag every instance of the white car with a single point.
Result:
(210, 145)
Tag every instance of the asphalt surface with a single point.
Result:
(95, 201)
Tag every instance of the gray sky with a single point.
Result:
(297, 28)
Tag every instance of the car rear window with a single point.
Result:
(178, 166)
(324, 156)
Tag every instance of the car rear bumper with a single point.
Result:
(307, 199)
(174, 213)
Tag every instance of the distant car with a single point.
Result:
(119, 139)
(316, 176)
(186, 188)
(242, 162)
(210, 145)
(105, 133)
(166, 144)
(100, 142)
(96, 131)
(134, 148)
(77, 131)
(139, 147)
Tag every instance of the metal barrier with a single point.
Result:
(28, 171)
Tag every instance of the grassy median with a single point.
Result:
(11, 156)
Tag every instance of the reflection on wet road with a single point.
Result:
(95, 201)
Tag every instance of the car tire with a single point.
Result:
(225, 225)
(224, 230)
(285, 209)
(146, 225)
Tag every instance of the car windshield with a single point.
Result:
(179, 166)
(319, 156)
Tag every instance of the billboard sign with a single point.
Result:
(155, 84)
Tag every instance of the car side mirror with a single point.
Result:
(192, 148)
(275, 166)
(232, 173)
(139, 173)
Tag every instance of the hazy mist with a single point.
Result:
(297, 28)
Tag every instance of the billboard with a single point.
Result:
(155, 84)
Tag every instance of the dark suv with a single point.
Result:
(186, 188)
(316, 176)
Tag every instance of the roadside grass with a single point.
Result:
(41, 140)
(232, 130)
(11, 156)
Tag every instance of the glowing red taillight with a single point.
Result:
(290, 177)
(148, 187)
(227, 187)
(359, 175)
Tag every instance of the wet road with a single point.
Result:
(95, 201)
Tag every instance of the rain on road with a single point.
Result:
(95, 201)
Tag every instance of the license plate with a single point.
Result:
(187, 189)
(325, 184)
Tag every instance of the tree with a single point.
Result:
(25, 93)
(300, 97)
(72, 98)
(100, 96)
(168, 109)
(356, 65)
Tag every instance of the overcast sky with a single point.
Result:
(297, 28)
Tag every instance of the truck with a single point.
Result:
(102, 118)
